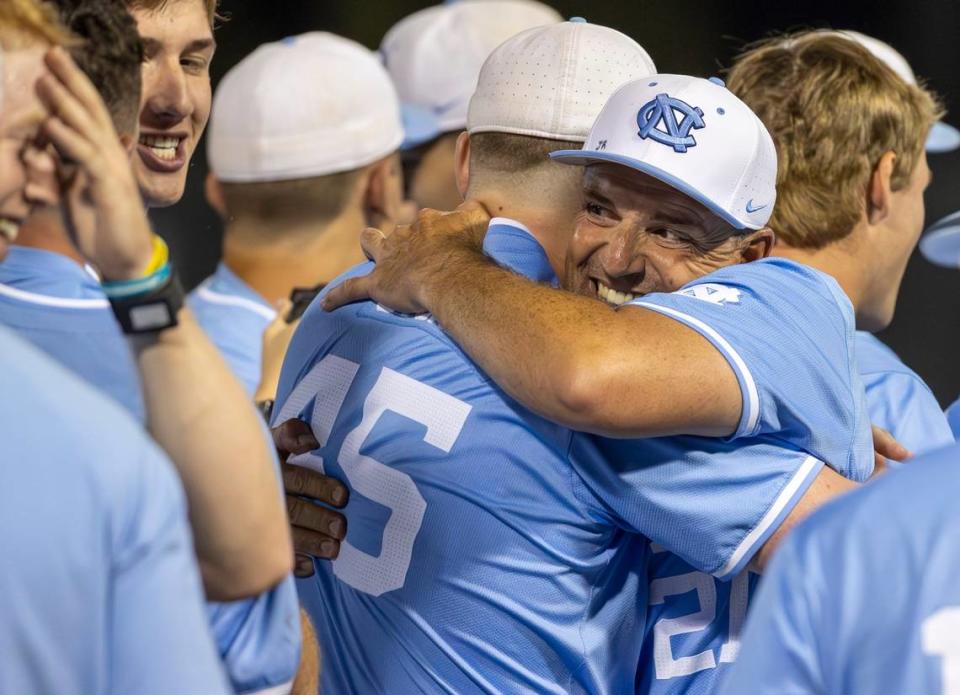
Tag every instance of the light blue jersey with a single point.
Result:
(701, 618)
(953, 418)
(466, 510)
(898, 399)
(864, 597)
(234, 317)
(472, 561)
(709, 504)
(57, 305)
(99, 591)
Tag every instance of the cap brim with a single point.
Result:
(943, 137)
(585, 157)
(419, 126)
(941, 243)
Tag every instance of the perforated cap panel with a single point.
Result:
(552, 82)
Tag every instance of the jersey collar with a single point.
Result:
(512, 245)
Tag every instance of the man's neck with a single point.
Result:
(840, 260)
(44, 229)
(301, 257)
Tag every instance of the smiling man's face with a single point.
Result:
(20, 119)
(175, 103)
(636, 235)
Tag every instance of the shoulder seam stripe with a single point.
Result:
(46, 300)
(209, 295)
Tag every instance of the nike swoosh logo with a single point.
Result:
(752, 209)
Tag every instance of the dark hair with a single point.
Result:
(110, 53)
(157, 5)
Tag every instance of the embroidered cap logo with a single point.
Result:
(662, 111)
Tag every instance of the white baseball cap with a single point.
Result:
(943, 137)
(434, 57)
(309, 105)
(940, 244)
(694, 135)
(552, 81)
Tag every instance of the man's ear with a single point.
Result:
(879, 191)
(758, 245)
(214, 195)
(383, 203)
(461, 163)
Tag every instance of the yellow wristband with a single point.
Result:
(160, 257)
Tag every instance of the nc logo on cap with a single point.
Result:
(663, 110)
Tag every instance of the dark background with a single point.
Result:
(697, 38)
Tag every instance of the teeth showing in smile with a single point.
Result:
(612, 296)
(9, 229)
(163, 147)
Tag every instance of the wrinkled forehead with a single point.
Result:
(634, 191)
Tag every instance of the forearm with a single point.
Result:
(201, 416)
(828, 485)
(539, 344)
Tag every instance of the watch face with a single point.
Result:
(151, 317)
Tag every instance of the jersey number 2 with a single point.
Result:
(442, 415)
(666, 666)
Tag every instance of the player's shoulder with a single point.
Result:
(778, 277)
(80, 432)
(916, 498)
(875, 357)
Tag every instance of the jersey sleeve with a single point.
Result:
(712, 503)
(787, 333)
(259, 639)
(779, 651)
(904, 406)
(160, 639)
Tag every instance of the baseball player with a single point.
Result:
(398, 609)
(50, 298)
(821, 624)
(434, 57)
(941, 245)
(824, 71)
(100, 589)
(897, 398)
(298, 167)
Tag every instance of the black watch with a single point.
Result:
(151, 312)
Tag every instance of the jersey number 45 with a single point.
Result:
(327, 384)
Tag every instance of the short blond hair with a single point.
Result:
(28, 22)
(833, 110)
